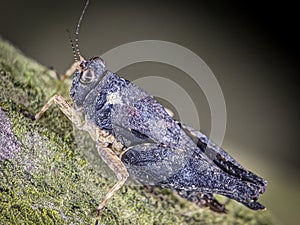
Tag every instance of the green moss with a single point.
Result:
(52, 179)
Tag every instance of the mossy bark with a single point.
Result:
(47, 176)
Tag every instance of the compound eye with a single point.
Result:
(87, 76)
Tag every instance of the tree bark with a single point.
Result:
(50, 175)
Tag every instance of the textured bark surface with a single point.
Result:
(48, 175)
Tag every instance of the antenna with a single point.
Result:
(72, 45)
(76, 49)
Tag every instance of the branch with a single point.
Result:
(47, 176)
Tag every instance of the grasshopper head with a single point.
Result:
(87, 75)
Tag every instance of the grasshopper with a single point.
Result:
(136, 136)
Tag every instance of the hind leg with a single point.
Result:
(222, 159)
(203, 200)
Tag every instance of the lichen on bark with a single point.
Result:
(48, 177)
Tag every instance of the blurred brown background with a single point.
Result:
(252, 49)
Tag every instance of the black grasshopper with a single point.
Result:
(135, 135)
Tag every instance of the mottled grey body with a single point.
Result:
(134, 134)
(158, 150)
